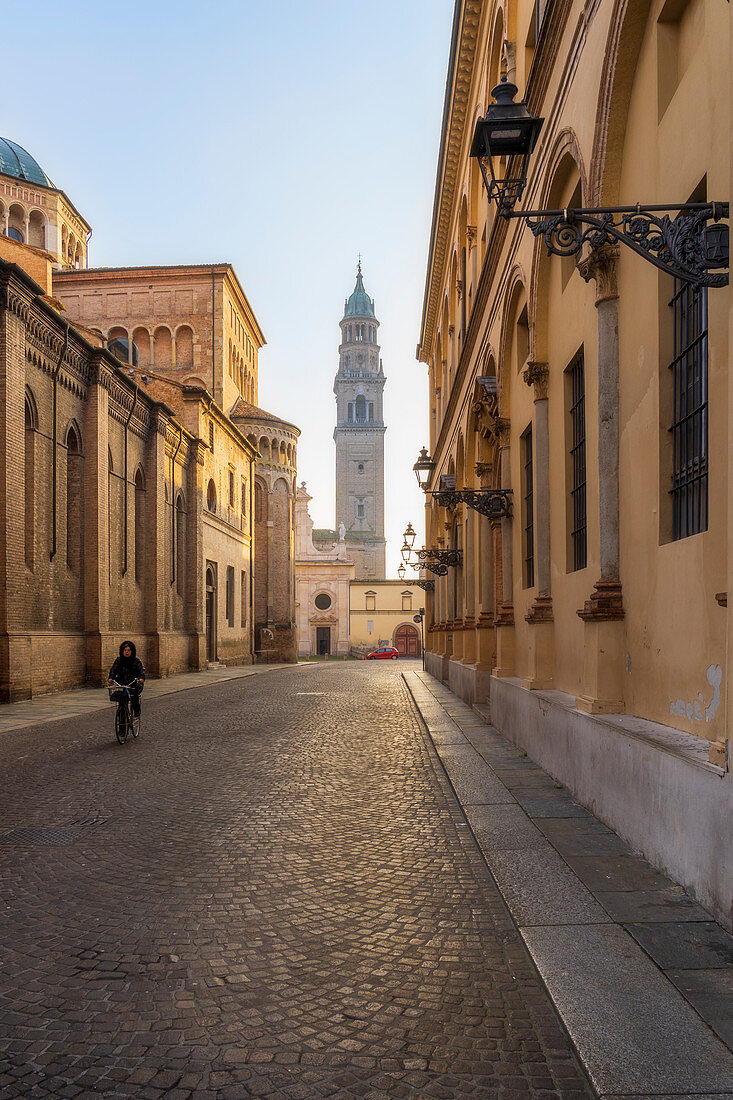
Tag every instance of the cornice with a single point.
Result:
(543, 65)
(453, 136)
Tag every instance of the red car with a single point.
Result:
(388, 653)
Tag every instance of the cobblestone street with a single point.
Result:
(272, 893)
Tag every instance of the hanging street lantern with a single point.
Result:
(423, 468)
(508, 132)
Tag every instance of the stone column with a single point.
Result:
(540, 638)
(456, 580)
(485, 642)
(469, 581)
(505, 654)
(603, 613)
(472, 263)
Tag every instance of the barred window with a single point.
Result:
(528, 508)
(689, 428)
(579, 527)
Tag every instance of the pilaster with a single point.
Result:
(603, 612)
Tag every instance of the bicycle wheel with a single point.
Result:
(121, 724)
(135, 725)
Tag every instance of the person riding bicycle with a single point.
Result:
(128, 670)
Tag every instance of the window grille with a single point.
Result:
(243, 599)
(579, 528)
(528, 507)
(231, 488)
(689, 426)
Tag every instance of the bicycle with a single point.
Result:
(125, 721)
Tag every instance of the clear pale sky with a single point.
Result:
(284, 138)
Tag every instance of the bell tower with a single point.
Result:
(359, 436)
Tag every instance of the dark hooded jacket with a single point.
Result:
(127, 669)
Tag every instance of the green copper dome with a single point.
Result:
(359, 304)
(16, 162)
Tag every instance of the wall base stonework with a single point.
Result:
(649, 783)
(467, 682)
(437, 665)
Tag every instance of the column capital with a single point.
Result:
(602, 266)
(537, 375)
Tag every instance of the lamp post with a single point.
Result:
(423, 468)
(692, 247)
(401, 572)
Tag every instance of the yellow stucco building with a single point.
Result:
(593, 390)
(382, 614)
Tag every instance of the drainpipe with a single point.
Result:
(173, 505)
(54, 462)
(125, 488)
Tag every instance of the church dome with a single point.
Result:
(16, 162)
(359, 304)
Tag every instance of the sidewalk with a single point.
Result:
(68, 704)
(641, 975)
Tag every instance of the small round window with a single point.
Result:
(323, 601)
(361, 467)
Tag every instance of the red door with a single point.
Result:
(407, 641)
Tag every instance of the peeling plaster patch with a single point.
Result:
(694, 710)
(628, 663)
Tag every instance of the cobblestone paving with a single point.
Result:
(272, 893)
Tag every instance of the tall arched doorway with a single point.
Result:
(407, 640)
(210, 613)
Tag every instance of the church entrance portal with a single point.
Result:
(323, 640)
(407, 641)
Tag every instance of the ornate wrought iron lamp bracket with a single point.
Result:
(492, 503)
(426, 585)
(436, 560)
(692, 247)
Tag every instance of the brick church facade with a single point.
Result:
(130, 478)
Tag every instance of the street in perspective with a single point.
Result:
(309, 881)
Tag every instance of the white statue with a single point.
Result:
(342, 532)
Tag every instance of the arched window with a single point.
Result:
(211, 496)
(361, 409)
(351, 412)
(74, 516)
(139, 527)
(14, 234)
(181, 541)
(31, 426)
